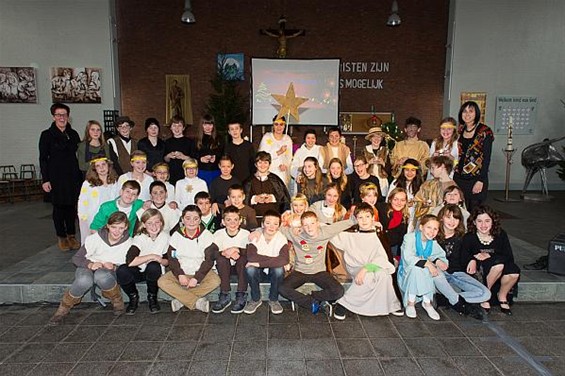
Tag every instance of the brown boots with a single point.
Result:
(115, 296)
(74, 244)
(68, 243)
(63, 244)
(67, 303)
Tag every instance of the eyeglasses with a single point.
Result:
(60, 115)
(359, 165)
(123, 125)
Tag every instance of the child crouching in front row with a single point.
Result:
(421, 266)
(270, 250)
(96, 263)
(372, 292)
(190, 256)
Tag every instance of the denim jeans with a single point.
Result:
(85, 279)
(472, 290)
(276, 276)
(441, 284)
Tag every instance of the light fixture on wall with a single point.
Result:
(188, 16)
(394, 18)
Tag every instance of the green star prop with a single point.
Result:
(289, 103)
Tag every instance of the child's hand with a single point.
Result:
(215, 209)
(212, 159)
(252, 264)
(472, 267)
(173, 205)
(442, 265)
(360, 277)
(108, 265)
(235, 255)
(95, 265)
(482, 256)
(282, 167)
(183, 280)
(192, 283)
(146, 205)
(432, 269)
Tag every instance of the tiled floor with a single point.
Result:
(92, 341)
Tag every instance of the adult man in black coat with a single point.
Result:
(60, 173)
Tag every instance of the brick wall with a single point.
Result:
(153, 42)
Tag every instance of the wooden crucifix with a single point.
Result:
(282, 34)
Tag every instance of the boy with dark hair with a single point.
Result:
(220, 185)
(210, 221)
(265, 190)
(127, 203)
(410, 147)
(232, 243)
(270, 251)
(241, 152)
(190, 256)
(236, 196)
(159, 193)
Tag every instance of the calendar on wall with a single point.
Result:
(519, 109)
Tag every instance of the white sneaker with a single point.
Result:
(431, 311)
(203, 305)
(398, 313)
(176, 305)
(410, 311)
(276, 307)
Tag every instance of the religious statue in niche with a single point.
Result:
(282, 34)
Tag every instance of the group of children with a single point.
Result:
(188, 239)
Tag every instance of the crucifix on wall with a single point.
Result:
(282, 34)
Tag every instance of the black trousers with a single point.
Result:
(64, 217)
(128, 276)
(471, 200)
(330, 288)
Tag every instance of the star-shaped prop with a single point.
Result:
(289, 103)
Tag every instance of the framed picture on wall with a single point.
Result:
(361, 122)
(178, 99)
(75, 85)
(17, 85)
(231, 66)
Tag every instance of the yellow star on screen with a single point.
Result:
(289, 103)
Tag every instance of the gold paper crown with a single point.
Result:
(410, 166)
(98, 159)
(189, 163)
(138, 158)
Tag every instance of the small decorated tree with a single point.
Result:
(226, 103)
(395, 133)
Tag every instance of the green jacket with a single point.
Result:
(109, 207)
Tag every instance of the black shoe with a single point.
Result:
(224, 301)
(154, 306)
(539, 264)
(133, 304)
(459, 307)
(339, 312)
(506, 311)
(240, 302)
(474, 311)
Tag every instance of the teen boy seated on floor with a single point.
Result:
(270, 251)
(265, 190)
(310, 263)
(232, 243)
(127, 203)
(190, 256)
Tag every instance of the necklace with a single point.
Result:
(485, 240)
(472, 129)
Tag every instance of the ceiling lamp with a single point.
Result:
(188, 16)
(394, 18)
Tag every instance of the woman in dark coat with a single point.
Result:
(61, 175)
